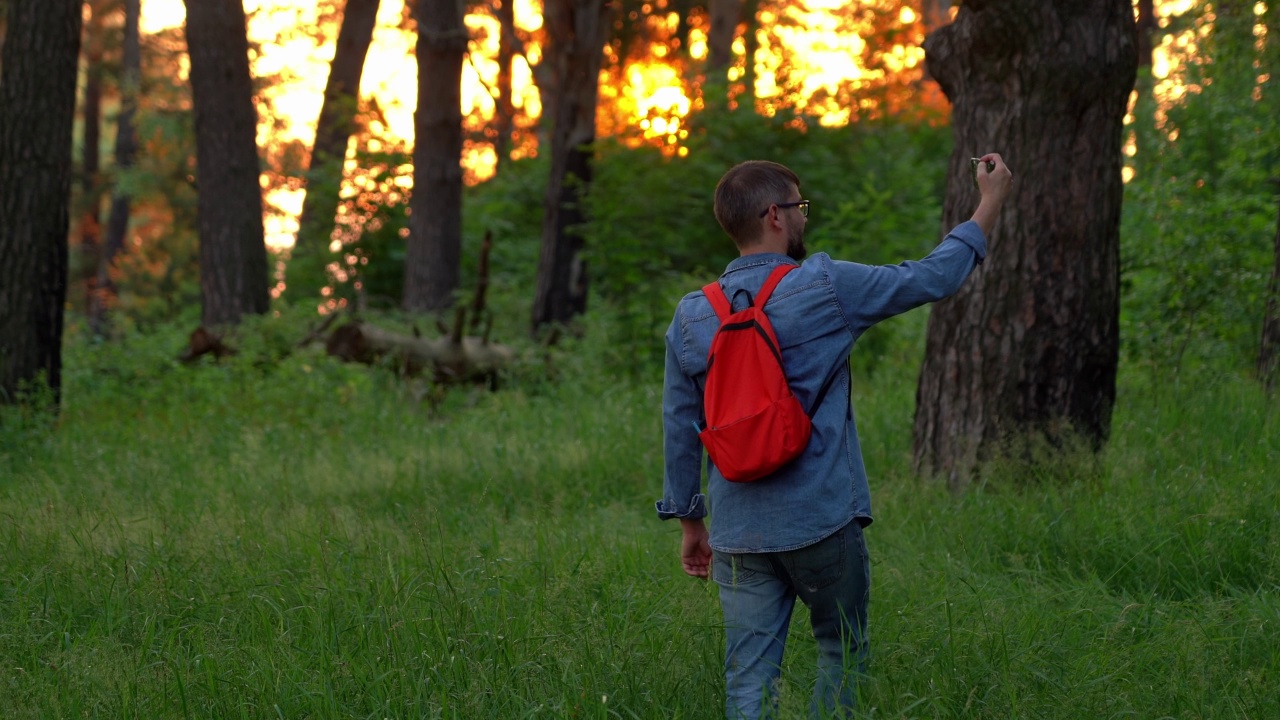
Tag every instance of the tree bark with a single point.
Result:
(577, 30)
(329, 152)
(37, 112)
(434, 255)
(233, 253)
(1027, 351)
(125, 151)
(1269, 349)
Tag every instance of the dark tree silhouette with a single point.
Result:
(90, 209)
(434, 256)
(125, 151)
(1029, 347)
(329, 152)
(725, 16)
(505, 113)
(233, 254)
(577, 30)
(37, 111)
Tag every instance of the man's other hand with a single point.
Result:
(695, 550)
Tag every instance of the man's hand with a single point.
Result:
(994, 187)
(695, 550)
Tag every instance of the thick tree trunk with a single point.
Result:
(1269, 350)
(1027, 350)
(329, 152)
(434, 254)
(37, 111)
(725, 16)
(125, 150)
(576, 50)
(233, 254)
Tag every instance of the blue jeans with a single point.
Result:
(757, 594)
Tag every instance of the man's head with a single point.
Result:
(758, 204)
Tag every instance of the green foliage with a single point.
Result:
(653, 234)
(1200, 214)
(280, 531)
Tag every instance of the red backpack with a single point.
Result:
(754, 424)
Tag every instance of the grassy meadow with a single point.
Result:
(304, 539)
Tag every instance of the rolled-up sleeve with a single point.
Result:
(871, 293)
(682, 450)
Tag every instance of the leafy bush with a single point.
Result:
(1200, 214)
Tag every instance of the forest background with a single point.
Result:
(278, 532)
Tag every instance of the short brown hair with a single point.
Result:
(744, 191)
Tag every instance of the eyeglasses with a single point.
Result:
(802, 204)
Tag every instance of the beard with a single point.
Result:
(795, 244)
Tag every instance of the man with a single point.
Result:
(797, 532)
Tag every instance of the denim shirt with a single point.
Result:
(818, 311)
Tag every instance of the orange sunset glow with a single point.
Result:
(646, 103)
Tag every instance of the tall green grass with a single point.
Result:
(303, 539)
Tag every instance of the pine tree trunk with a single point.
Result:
(504, 120)
(1027, 351)
(1146, 32)
(751, 42)
(725, 15)
(329, 152)
(1269, 350)
(434, 256)
(233, 255)
(125, 150)
(576, 50)
(37, 112)
(91, 158)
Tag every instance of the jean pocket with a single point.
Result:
(730, 570)
(820, 565)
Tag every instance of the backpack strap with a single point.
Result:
(766, 290)
(720, 303)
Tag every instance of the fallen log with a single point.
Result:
(450, 358)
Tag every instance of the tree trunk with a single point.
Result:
(1027, 351)
(504, 120)
(91, 155)
(329, 152)
(680, 36)
(434, 254)
(1269, 350)
(1146, 32)
(233, 254)
(125, 150)
(751, 40)
(725, 15)
(577, 30)
(37, 112)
